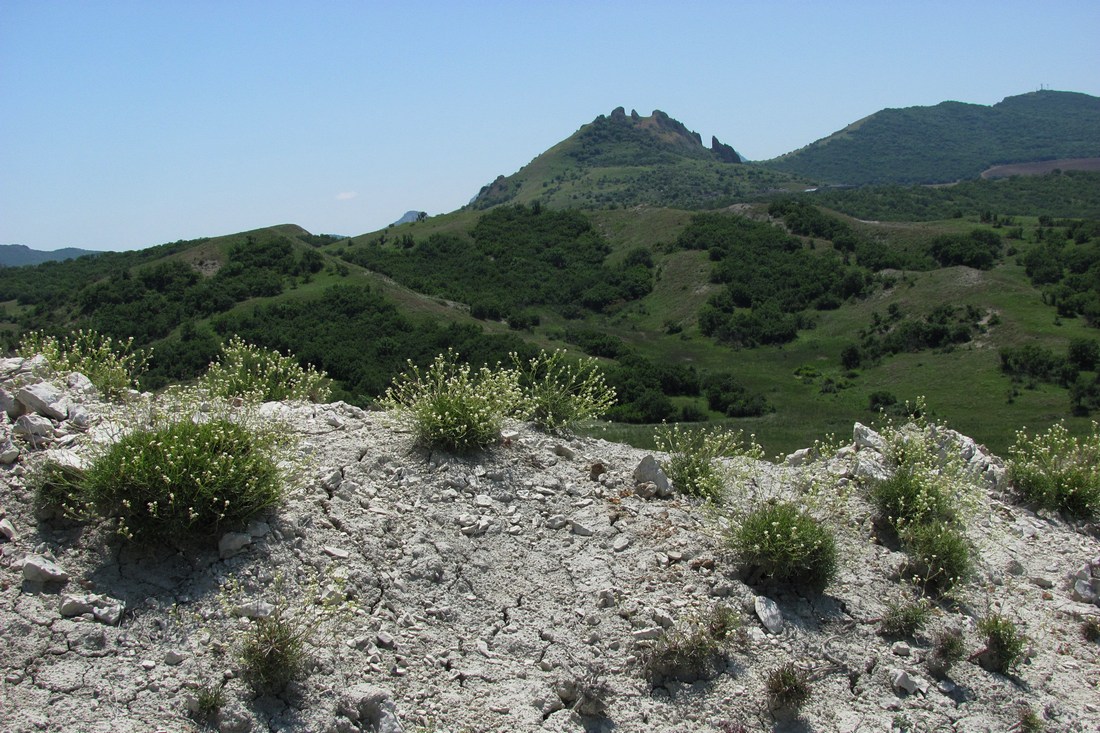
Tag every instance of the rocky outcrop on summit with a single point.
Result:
(723, 152)
(520, 589)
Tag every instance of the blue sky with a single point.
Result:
(128, 124)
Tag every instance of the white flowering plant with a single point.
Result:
(113, 366)
(1058, 471)
(262, 375)
(559, 393)
(693, 455)
(781, 542)
(177, 471)
(450, 406)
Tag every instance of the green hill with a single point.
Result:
(629, 160)
(951, 141)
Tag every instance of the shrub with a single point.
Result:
(782, 542)
(263, 375)
(559, 393)
(904, 619)
(1004, 646)
(177, 473)
(1090, 629)
(787, 688)
(1057, 471)
(939, 555)
(112, 366)
(450, 407)
(911, 495)
(947, 648)
(692, 461)
(185, 478)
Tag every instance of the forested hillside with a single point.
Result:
(951, 141)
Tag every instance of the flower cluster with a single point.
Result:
(1058, 471)
(112, 366)
(262, 375)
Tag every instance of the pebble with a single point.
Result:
(621, 542)
(231, 543)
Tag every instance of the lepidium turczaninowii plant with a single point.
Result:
(1058, 471)
(560, 392)
(450, 406)
(180, 467)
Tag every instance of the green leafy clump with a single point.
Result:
(177, 474)
(209, 699)
(1057, 471)
(787, 688)
(939, 555)
(693, 650)
(693, 454)
(782, 542)
(947, 649)
(184, 479)
(559, 393)
(904, 619)
(1004, 645)
(451, 407)
(263, 375)
(112, 366)
(925, 501)
(911, 495)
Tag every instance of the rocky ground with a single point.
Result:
(517, 590)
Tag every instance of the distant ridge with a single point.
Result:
(17, 255)
(951, 141)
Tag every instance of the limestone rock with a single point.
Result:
(371, 707)
(44, 398)
(768, 612)
(43, 570)
(649, 471)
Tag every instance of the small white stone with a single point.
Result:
(39, 569)
(337, 552)
(769, 614)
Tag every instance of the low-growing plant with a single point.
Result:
(209, 699)
(782, 542)
(273, 652)
(559, 393)
(693, 650)
(58, 491)
(449, 406)
(1029, 721)
(787, 688)
(693, 455)
(263, 375)
(1058, 471)
(947, 649)
(939, 555)
(181, 474)
(113, 366)
(1004, 645)
(1090, 629)
(911, 495)
(904, 619)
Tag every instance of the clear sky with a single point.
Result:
(127, 124)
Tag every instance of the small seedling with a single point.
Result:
(947, 648)
(210, 698)
(904, 619)
(787, 688)
(1029, 722)
(273, 653)
(1004, 645)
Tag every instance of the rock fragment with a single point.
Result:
(43, 570)
(768, 613)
